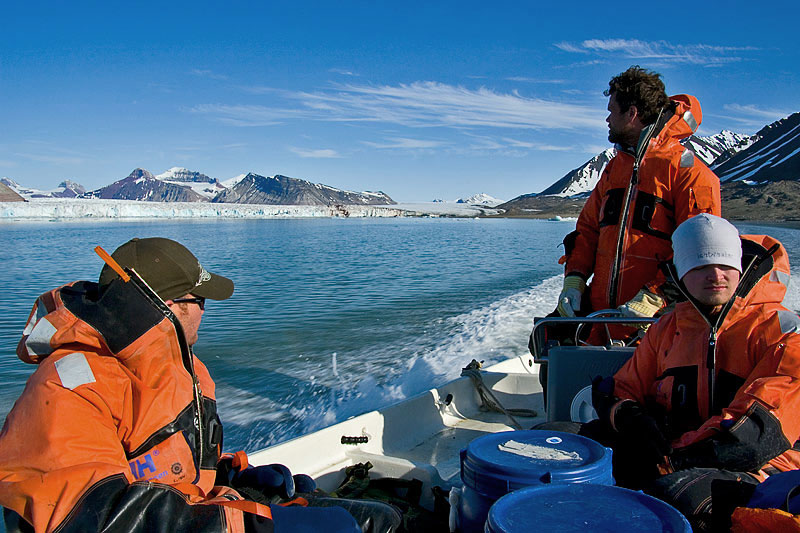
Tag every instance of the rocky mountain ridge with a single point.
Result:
(775, 156)
(182, 185)
(283, 190)
(142, 185)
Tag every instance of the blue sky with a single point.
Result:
(419, 100)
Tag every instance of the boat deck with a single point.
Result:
(443, 448)
(420, 437)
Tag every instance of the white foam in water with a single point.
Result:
(492, 333)
(243, 407)
(333, 365)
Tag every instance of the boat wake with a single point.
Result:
(491, 333)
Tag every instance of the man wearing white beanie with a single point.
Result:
(712, 393)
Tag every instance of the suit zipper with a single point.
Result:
(623, 227)
(711, 363)
(186, 357)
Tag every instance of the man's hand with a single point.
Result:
(569, 301)
(644, 305)
(266, 481)
(641, 430)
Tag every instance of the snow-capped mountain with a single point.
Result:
(480, 199)
(710, 150)
(198, 182)
(582, 179)
(718, 146)
(65, 189)
(182, 185)
(142, 185)
(230, 183)
(774, 156)
(283, 190)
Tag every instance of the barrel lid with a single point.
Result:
(522, 458)
(582, 507)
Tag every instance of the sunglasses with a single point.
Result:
(200, 301)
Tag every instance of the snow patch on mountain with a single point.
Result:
(480, 199)
(65, 189)
(196, 181)
(774, 157)
(582, 179)
(231, 182)
(714, 149)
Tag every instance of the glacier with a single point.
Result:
(87, 209)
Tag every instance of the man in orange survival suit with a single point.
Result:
(117, 428)
(650, 186)
(712, 394)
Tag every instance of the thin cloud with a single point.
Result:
(46, 152)
(433, 104)
(247, 115)
(515, 143)
(208, 147)
(752, 116)
(419, 104)
(754, 111)
(580, 64)
(525, 79)
(258, 89)
(53, 158)
(206, 73)
(595, 148)
(342, 72)
(572, 48)
(403, 143)
(316, 154)
(662, 51)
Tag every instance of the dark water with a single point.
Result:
(331, 317)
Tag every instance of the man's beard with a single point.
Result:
(615, 137)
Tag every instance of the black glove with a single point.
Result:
(637, 428)
(640, 447)
(263, 483)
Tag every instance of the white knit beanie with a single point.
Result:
(706, 240)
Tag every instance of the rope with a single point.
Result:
(488, 400)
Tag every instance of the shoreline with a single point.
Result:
(791, 224)
(95, 209)
(54, 210)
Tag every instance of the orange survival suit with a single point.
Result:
(729, 386)
(624, 229)
(117, 428)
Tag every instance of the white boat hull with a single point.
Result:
(418, 438)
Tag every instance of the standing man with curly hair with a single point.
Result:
(651, 185)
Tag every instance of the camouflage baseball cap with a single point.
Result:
(169, 268)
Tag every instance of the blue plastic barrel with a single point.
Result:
(583, 507)
(496, 464)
